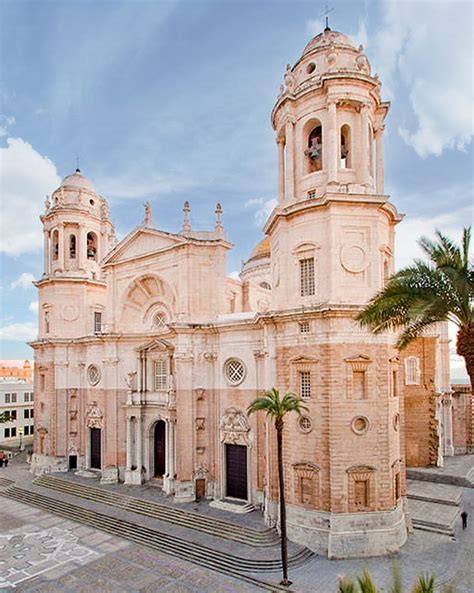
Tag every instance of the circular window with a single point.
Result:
(310, 68)
(305, 424)
(159, 321)
(396, 421)
(234, 370)
(91, 202)
(93, 374)
(360, 425)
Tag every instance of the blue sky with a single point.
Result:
(170, 101)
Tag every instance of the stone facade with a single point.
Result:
(148, 355)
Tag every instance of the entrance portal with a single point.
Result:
(96, 461)
(236, 471)
(160, 449)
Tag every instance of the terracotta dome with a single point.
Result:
(78, 181)
(262, 249)
(326, 38)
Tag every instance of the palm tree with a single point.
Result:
(277, 408)
(424, 293)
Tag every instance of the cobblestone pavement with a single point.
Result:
(67, 557)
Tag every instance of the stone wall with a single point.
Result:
(462, 419)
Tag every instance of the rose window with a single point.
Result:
(234, 370)
(93, 374)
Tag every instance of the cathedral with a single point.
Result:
(148, 355)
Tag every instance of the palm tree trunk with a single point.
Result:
(284, 541)
(465, 348)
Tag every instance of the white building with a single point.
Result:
(16, 405)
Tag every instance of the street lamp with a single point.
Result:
(20, 434)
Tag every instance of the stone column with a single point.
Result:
(379, 158)
(46, 252)
(364, 144)
(168, 482)
(448, 425)
(129, 444)
(330, 154)
(281, 170)
(139, 442)
(81, 246)
(290, 159)
(61, 247)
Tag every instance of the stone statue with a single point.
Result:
(289, 78)
(47, 204)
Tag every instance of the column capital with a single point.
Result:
(280, 140)
(331, 103)
(290, 120)
(379, 129)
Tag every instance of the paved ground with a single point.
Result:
(43, 553)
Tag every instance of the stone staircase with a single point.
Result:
(195, 521)
(434, 517)
(197, 553)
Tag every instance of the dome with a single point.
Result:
(262, 249)
(327, 37)
(78, 181)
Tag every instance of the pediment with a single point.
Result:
(141, 242)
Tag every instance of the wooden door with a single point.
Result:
(96, 462)
(160, 449)
(200, 488)
(236, 471)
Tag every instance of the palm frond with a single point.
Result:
(346, 585)
(366, 583)
(425, 584)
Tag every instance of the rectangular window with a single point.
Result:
(42, 383)
(26, 396)
(7, 398)
(13, 415)
(32, 429)
(46, 322)
(26, 430)
(7, 433)
(394, 383)
(26, 413)
(361, 494)
(97, 322)
(13, 431)
(397, 486)
(412, 371)
(307, 276)
(32, 396)
(305, 384)
(32, 412)
(359, 384)
(304, 327)
(161, 375)
(13, 398)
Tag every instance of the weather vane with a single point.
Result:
(77, 163)
(325, 13)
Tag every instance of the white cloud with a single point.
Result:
(427, 47)
(27, 177)
(409, 231)
(23, 281)
(264, 208)
(33, 306)
(5, 122)
(234, 275)
(19, 332)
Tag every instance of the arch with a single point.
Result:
(91, 246)
(55, 245)
(72, 246)
(345, 154)
(145, 296)
(314, 142)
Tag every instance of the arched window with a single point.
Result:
(55, 245)
(159, 321)
(72, 246)
(314, 152)
(91, 246)
(346, 156)
(412, 370)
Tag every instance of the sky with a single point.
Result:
(170, 100)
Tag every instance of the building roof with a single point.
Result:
(262, 249)
(78, 181)
(326, 38)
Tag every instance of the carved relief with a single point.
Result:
(94, 416)
(235, 427)
(353, 258)
(70, 312)
(200, 423)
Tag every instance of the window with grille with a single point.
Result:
(97, 322)
(160, 375)
(394, 383)
(159, 321)
(46, 322)
(305, 384)
(13, 398)
(304, 327)
(307, 276)
(7, 398)
(93, 374)
(234, 370)
(412, 371)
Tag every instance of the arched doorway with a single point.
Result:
(159, 447)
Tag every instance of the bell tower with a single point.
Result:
(332, 212)
(77, 235)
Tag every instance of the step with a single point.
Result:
(4, 482)
(171, 545)
(144, 507)
(438, 517)
(440, 478)
(433, 492)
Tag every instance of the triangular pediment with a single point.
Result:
(141, 242)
